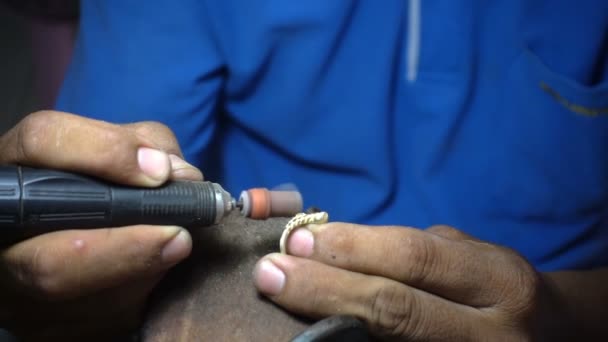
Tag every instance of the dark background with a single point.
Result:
(16, 79)
(16, 69)
(36, 38)
(35, 45)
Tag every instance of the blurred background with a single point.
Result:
(36, 38)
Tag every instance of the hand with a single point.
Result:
(89, 284)
(438, 285)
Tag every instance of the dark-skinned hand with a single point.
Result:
(407, 284)
(89, 284)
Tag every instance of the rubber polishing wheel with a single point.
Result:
(285, 203)
(260, 203)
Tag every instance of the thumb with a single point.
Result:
(68, 142)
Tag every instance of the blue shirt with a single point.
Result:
(488, 116)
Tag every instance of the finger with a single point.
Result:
(390, 309)
(158, 134)
(180, 169)
(64, 141)
(68, 264)
(164, 139)
(452, 269)
(450, 233)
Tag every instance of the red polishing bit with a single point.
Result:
(261, 203)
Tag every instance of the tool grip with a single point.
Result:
(36, 201)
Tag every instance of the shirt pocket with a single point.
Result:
(550, 144)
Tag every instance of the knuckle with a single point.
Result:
(153, 128)
(521, 295)
(118, 148)
(529, 283)
(41, 274)
(447, 232)
(392, 312)
(419, 258)
(158, 132)
(45, 279)
(48, 286)
(30, 133)
(441, 229)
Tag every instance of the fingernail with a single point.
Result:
(178, 248)
(268, 278)
(182, 169)
(301, 243)
(154, 163)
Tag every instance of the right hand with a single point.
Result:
(89, 284)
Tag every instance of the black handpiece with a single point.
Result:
(36, 201)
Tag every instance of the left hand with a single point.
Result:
(89, 284)
(439, 284)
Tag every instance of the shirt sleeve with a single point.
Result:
(139, 61)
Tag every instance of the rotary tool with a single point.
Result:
(36, 201)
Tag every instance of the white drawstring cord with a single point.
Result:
(413, 39)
